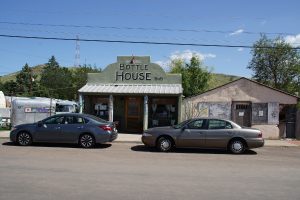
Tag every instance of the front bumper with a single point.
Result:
(13, 136)
(148, 140)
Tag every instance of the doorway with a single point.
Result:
(133, 114)
(241, 113)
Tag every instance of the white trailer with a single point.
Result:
(30, 110)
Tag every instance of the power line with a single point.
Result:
(139, 42)
(145, 29)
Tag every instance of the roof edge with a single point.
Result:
(281, 91)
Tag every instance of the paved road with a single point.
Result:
(129, 171)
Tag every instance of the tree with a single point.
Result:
(25, 80)
(275, 63)
(1, 84)
(10, 87)
(56, 81)
(195, 77)
(79, 75)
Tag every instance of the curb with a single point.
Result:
(124, 141)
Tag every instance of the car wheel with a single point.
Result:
(237, 147)
(24, 139)
(86, 141)
(164, 144)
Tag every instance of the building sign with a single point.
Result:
(133, 72)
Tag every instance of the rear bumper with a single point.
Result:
(255, 143)
(106, 137)
(113, 136)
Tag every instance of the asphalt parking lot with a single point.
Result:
(131, 171)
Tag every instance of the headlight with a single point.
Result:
(14, 128)
(146, 134)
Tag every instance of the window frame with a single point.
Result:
(219, 120)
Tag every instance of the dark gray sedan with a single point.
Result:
(82, 129)
(204, 133)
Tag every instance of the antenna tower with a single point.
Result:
(77, 52)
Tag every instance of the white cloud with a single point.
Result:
(293, 40)
(185, 55)
(164, 64)
(237, 32)
(240, 49)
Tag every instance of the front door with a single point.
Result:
(133, 114)
(193, 134)
(241, 113)
(50, 130)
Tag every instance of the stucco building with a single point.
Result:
(248, 103)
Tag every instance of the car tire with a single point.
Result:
(24, 139)
(164, 144)
(237, 146)
(86, 141)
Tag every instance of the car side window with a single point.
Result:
(218, 124)
(54, 120)
(228, 126)
(79, 120)
(197, 124)
(69, 120)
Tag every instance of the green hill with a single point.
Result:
(37, 70)
(221, 79)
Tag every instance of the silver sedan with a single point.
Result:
(204, 133)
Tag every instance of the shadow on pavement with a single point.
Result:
(59, 145)
(143, 148)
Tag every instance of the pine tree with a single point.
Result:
(25, 81)
(57, 81)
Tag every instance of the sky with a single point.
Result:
(212, 22)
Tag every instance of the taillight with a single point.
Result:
(106, 127)
(260, 135)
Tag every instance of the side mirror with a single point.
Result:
(183, 128)
(39, 123)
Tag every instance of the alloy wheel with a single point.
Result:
(24, 139)
(87, 141)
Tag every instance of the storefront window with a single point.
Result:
(162, 112)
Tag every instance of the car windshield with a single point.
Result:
(180, 125)
(62, 108)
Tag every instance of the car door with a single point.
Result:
(218, 133)
(193, 134)
(49, 130)
(72, 128)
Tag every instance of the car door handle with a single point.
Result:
(57, 128)
(80, 127)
